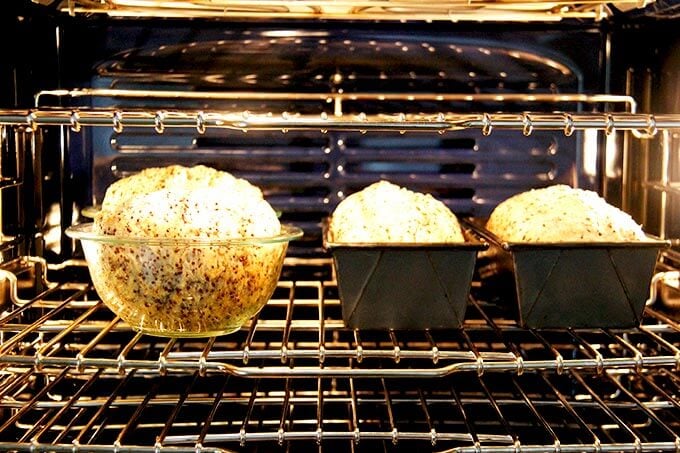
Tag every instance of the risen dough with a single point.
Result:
(386, 213)
(185, 288)
(561, 213)
(185, 202)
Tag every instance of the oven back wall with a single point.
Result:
(305, 174)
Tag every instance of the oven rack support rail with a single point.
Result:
(646, 125)
(75, 116)
(77, 331)
(337, 98)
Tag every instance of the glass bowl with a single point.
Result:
(184, 287)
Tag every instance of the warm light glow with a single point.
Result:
(402, 10)
(590, 147)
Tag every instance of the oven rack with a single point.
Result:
(535, 412)
(300, 333)
(451, 10)
(337, 98)
(161, 120)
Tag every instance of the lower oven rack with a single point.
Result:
(537, 411)
(75, 378)
(477, 414)
(347, 417)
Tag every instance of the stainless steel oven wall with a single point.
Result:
(648, 69)
(36, 183)
(295, 378)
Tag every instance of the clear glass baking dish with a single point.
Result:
(187, 287)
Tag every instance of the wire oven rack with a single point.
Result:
(221, 413)
(336, 112)
(301, 334)
(74, 377)
(337, 115)
(527, 122)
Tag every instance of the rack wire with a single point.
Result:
(527, 122)
(337, 98)
(300, 334)
(75, 378)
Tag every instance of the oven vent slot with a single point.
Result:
(470, 172)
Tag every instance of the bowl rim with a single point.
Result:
(84, 232)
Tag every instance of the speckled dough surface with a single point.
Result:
(186, 289)
(175, 178)
(561, 213)
(185, 202)
(387, 213)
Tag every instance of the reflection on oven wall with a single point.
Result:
(649, 70)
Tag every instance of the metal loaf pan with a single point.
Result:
(404, 286)
(573, 284)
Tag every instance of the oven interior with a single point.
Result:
(312, 101)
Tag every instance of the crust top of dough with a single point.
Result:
(387, 213)
(185, 202)
(561, 213)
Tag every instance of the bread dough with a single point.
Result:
(185, 202)
(561, 213)
(387, 213)
(181, 287)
